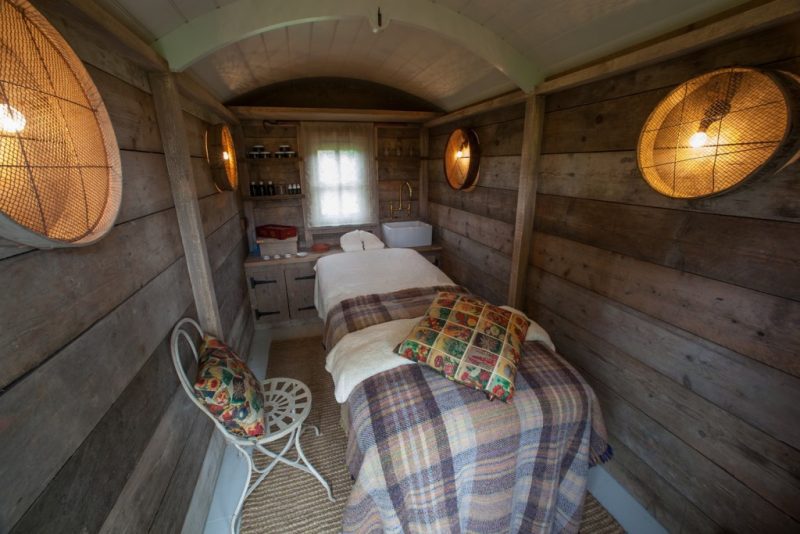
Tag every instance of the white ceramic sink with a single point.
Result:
(406, 234)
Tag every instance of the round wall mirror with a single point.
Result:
(462, 156)
(715, 131)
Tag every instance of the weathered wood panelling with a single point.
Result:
(683, 315)
(397, 152)
(89, 392)
(476, 228)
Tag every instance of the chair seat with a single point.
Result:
(287, 403)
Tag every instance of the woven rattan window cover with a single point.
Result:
(221, 156)
(60, 178)
(715, 131)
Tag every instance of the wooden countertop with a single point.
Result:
(314, 256)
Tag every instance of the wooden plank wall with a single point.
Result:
(397, 162)
(96, 434)
(683, 315)
(476, 228)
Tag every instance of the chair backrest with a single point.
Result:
(182, 330)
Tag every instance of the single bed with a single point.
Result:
(428, 454)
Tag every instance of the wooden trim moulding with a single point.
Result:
(331, 114)
(184, 194)
(526, 198)
(502, 101)
(757, 18)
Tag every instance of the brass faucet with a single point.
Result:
(407, 209)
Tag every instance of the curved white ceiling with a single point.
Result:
(514, 41)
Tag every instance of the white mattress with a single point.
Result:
(350, 274)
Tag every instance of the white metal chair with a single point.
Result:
(287, 403)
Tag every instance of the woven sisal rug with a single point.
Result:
(290, 501)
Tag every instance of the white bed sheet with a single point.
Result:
(350, 274)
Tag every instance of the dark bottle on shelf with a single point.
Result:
(262, 189)
(297, 189)
(253, 189)
(270, 189)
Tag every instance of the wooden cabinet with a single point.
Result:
(268, 297)
(282, 290)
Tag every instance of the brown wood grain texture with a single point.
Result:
(665, 503)
(496, 204)
(132, 113)
(62, 397)
(752, 323)
(760, 48)
(486, 260)
(79, 286)
(107, 456)
(702, 481)
(526, 197)
(753, 253)
(501, 114)
(424, 173)
(463, 273)
(600, 126)
(490, 232)
(759, 461)
(760, 16)
(139, 500)
(614, 177)
(759, 395)
(229, 283)
(496, 139)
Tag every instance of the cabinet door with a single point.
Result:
(267, 294)
(300, 290)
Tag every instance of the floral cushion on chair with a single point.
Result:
(229, 389)
(470, 342)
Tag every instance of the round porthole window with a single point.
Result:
(715, 131)
(462, 156)
(221, 156)
(60, 174)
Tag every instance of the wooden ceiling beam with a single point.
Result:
(502, 101)
(331, 114)
(239, 20)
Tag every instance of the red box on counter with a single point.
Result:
(276, 231)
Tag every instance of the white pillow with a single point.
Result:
(358, 240)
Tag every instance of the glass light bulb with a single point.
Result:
(225, 156)
(459, 154)
(698, 139)
(11, 120)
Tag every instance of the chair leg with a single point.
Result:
(236, 514)
(301, 456)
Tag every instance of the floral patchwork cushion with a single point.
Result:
(470, 342)
(229, 389)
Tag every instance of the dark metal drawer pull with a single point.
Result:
(254, 282)
(260, 314)
(308, 277)
(304, 308)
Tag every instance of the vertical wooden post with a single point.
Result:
(244, 184)
(526, 198)
(424, 140)
(184, 193)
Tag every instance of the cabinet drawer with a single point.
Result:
(300, 290)
(268, 294)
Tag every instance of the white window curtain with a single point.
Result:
(340, 184)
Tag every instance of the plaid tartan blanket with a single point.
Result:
(430, 455)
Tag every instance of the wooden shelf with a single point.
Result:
(275, 198)
(274, 160)
(398, 158)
